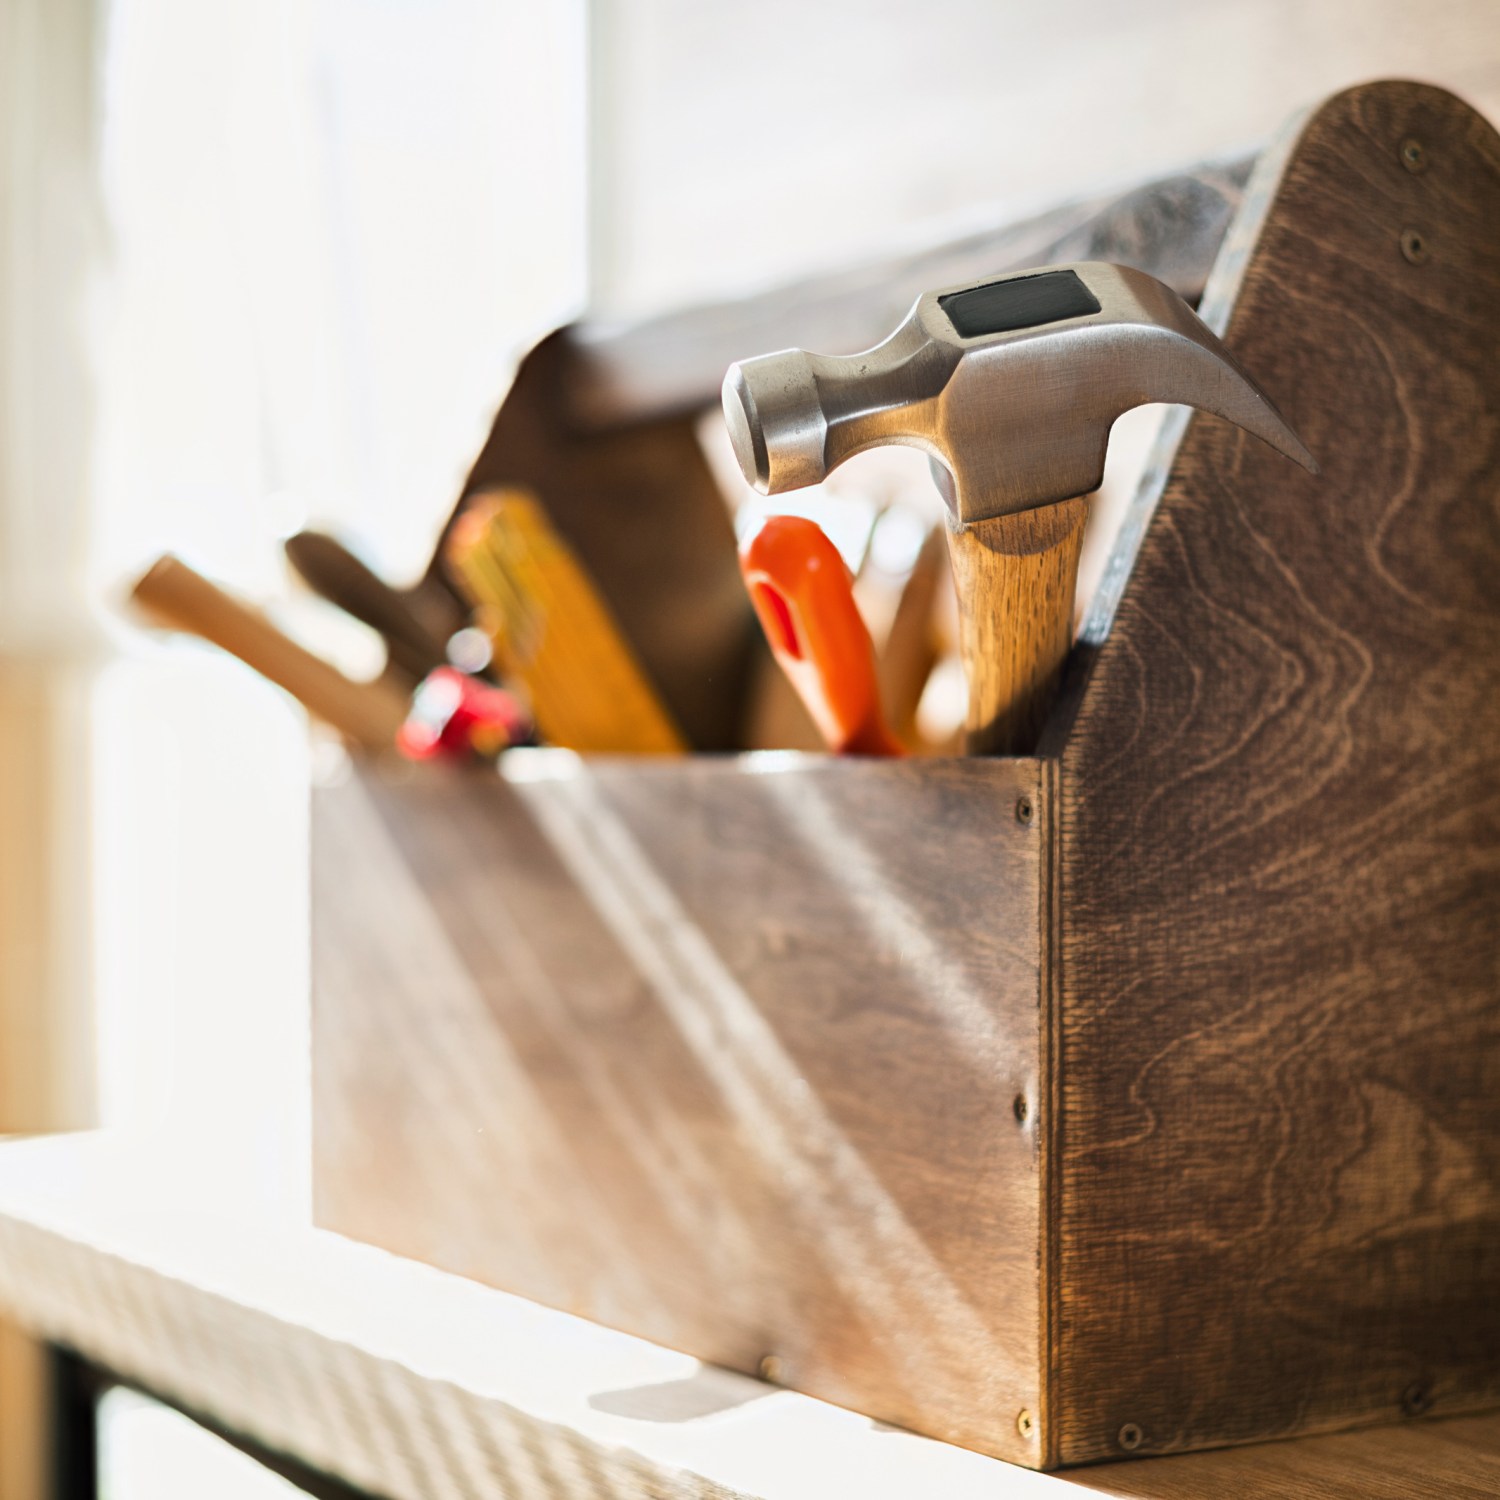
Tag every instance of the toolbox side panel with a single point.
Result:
(1280, 843)
(741, 1055)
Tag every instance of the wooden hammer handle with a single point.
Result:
(1016, 577)
(175, 596)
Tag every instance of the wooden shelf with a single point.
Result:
(408, 1382)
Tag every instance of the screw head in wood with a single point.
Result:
(1130, 1437)
(770, 1368)
(1020, 1108)
(1413, 155)
(1026, 1424)
(1414, 246)
(1025, 810)
(1417, 1398)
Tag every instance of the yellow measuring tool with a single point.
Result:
(552, 633)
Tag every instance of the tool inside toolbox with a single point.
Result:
(586, 591)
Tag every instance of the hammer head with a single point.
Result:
(1010, 385)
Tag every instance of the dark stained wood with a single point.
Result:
(716, 1052)
(1457, 1459)
(727, 1052)
(1278, 1146)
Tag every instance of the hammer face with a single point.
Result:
(776, 421)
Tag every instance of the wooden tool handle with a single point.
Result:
(1015, 576)
(910, 649)
(553, 632)
(330, 569)
(177, 597)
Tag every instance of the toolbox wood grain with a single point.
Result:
(1278, 992)
(1140, 1096)
(672, 1048)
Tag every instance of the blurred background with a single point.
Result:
(270, 263)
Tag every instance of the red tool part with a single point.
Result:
(804, 597)
(456, 717)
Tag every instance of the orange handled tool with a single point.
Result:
(804, 597)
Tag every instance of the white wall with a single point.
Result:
(735, 143)
(261, 262)
(335, 222)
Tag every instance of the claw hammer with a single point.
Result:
(1010, 387)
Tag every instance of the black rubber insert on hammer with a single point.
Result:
(1021, 302)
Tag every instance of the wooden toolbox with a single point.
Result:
(1140, 1095)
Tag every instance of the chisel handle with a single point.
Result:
(330, 569)
(181, 599)
(1016, 577)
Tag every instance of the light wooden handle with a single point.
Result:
(176, 596)
(910, 650)
(1015, 577)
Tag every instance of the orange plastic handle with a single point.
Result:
(804, 597)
